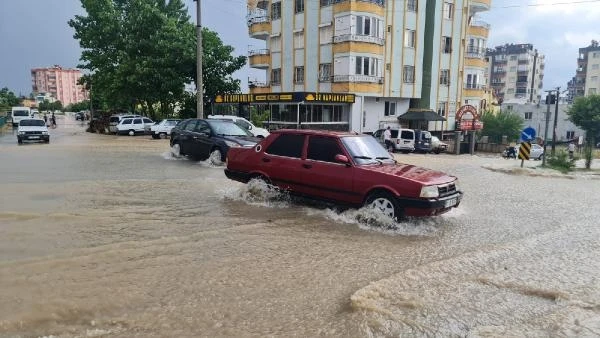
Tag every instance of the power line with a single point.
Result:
(543, 5)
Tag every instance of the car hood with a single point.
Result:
(243, 140)
(411, 172)
(32, 128)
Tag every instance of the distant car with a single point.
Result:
(163, 128)
(32, 130)
(346, 168)
(403, 139)
(79, 116)
(133, 126)
(114, 120)
(242, 122)
(209, 139)
(437, 146)
(536, 152)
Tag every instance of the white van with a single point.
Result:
(18, 114)
(406, 140)
(242, 122)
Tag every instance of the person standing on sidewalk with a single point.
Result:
(387, 139)
(53, 120)
(571, 150)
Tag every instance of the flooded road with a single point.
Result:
(106, 236)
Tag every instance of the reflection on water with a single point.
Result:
(109, 236)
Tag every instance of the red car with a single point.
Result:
(345, 168)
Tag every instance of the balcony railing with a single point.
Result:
(357, 78)
(479, 23)
(358, 38)
(254, 18)
(253, 52)
(475, 52)
(474, 86)
(259, 84)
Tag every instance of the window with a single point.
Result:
(594, 79)
(366, 25)
(595, 55)
(410, 37)
(570, 135)
(447, 44)
(299, 74)
(325, 3)
(202, 127)
(408, 76)
(146, 120)
(191, 125)
(276, 76)
(323, 149)
(137, 121)
(299, 8)
(595, 66)
(592, 91)
(411, 5)
(127, 121)
(445, 77)
(513, 57)
(448, 10)
(367, 66)
(287, 145)
(326, 34)
(510, 91)
(390, 108)
(276, 10)
(528, 115)
(325, 72)
(275, 42)
(513, 69)
(441, 109)
(299, 40)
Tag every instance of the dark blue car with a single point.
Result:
(208, 139)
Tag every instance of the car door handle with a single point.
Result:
(307, 166)
(264, 159)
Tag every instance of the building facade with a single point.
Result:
(392, 56)
(586, 80)
(516, 73)
(476, 80)
(60, 82)
(534, 116)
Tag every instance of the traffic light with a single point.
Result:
(550, 99)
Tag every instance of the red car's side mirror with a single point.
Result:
(339, 158)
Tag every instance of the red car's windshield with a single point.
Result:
(365, 149)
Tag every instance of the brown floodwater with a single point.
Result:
(106, 236)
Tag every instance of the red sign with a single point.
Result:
(471, 125)
(467, 108)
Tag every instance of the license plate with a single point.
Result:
(34, 137)
(450, 203)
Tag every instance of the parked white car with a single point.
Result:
(114, 120)
(536, 152)
(245, 124)
(135, 125)
(32, 130)
(163, 128)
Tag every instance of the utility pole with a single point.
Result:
(555, 122)
(199, 52)
(548, 103)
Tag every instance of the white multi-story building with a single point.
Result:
(361, 65)
(516, 73)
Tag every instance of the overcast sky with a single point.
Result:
(34, 33)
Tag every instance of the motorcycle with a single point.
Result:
(509, 152)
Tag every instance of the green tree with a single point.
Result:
(503, 123)
(218, 65)
(139, 52)
(8, 99)
(585, 113)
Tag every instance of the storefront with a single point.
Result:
(306, 110)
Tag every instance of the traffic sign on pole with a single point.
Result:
(528, 134)
(524, 151)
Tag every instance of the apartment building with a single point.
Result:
(60, 82)
(362, 65)
(477, 92)
(516, 73)
(586, 78)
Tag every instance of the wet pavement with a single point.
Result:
(109, 236)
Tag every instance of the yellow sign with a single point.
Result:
(330, 97)
(524, 150)
(234, 98)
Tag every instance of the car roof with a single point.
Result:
(316, 132)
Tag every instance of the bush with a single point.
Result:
(561, 162)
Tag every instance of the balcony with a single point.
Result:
(474, 90)
(259, 58)
(259, 25)
(479, 28)
(366, 6)
(357, 84)
(358, 38)
(480, 5)
(475, 52)
(357, 78)
(256, 87)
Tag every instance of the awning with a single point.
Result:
(421, 115)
